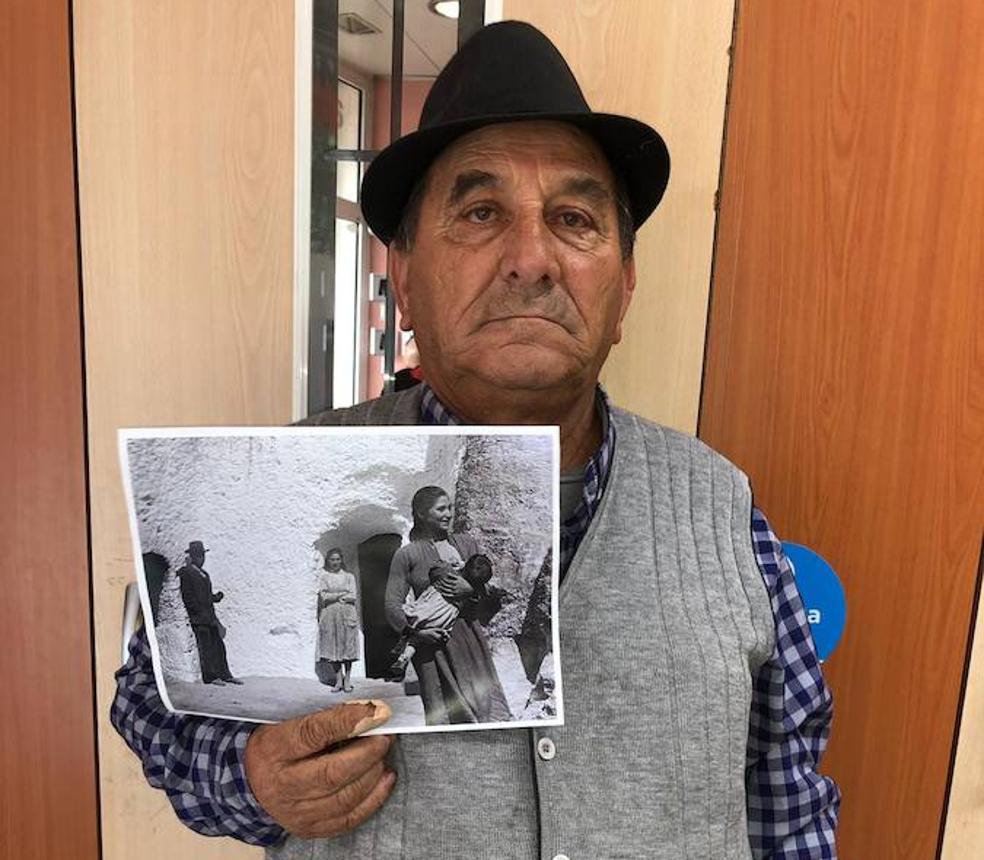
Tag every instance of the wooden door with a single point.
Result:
(844, 366)
(186, 196)
(185, 116)
(47, 738)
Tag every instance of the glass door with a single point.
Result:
(372, 65)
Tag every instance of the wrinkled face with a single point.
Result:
(516, 274)
(333, 562)
(439, 515)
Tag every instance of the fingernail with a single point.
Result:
(380, 714)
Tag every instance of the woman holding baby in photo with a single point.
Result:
(435, 595)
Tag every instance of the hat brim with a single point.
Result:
(635, 151)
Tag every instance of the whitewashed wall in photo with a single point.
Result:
(264, 506)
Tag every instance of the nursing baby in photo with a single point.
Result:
(430, 610)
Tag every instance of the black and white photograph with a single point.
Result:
(286, 570)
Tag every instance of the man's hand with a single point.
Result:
(452, 587)
(217, 596)
(312, 779)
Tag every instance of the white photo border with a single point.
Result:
(126, 435)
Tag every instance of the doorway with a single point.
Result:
(375, 555)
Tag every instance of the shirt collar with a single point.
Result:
(432, 411)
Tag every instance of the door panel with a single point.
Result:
(844, 364)
(185, 130)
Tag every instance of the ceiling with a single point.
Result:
(429, 39)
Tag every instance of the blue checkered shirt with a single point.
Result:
(792, 810)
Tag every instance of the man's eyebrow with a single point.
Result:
(470, 180)
(588, 187)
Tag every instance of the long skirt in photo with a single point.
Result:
(338, 633)
(458, 682)
(211, 653)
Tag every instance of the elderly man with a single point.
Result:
(695, 707)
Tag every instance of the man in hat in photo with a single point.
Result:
(199, 601)
(695, 708)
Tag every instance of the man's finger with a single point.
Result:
(318, 820)
(349, 797)
(328, 772)
(314, 733)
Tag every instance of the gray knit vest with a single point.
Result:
(664, 620)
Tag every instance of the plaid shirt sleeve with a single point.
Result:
(792, 809)
(197, 761)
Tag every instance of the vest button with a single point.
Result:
(547, 749)
(561, 857)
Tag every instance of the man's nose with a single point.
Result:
(528, 256)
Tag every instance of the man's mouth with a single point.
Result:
(529, 317)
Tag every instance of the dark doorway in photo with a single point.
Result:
(156, 568)
(375, 555)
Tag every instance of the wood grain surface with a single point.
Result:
(844, 369)
(185, 130)
(48, 794)
(666, 63)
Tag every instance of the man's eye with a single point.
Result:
(575, 220)
(480, 214)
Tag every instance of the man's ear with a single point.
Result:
(628, 288)
(399, 266)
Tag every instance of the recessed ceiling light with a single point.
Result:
(444, 8)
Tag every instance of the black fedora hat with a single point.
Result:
(507, 72)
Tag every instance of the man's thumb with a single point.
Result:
(316, 732)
